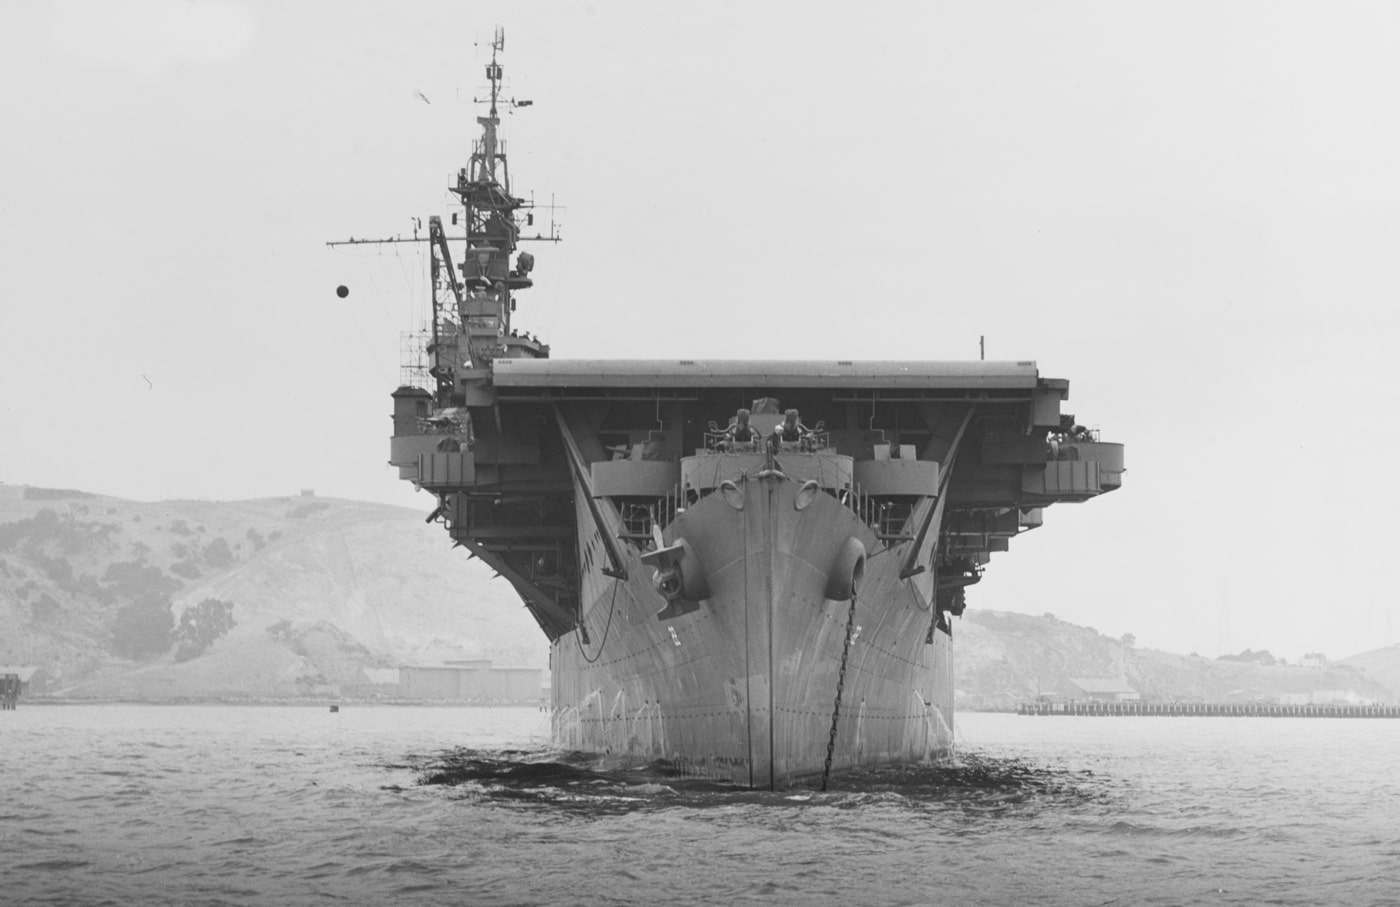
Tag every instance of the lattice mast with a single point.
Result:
(473, 297)
(472, 317)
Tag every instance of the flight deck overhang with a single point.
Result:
(759, 373)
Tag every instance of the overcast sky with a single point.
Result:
(1190, 210)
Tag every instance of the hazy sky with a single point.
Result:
(1190, 210)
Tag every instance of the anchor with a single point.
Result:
(679, 577)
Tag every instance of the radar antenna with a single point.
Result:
(473, 296)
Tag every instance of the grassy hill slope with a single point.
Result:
(1001, 659)
(318, 589)
(1381, 664)
(116, 598)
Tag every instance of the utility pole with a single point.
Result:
(1222, 645)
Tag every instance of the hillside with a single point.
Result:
(274, 597)
(297, 596)
(1382, 664)
(1002, 659)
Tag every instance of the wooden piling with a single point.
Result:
(9, 692)
(1206, 709)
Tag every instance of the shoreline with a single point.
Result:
(282, 701)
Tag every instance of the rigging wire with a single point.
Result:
(383, 304)
(606, 627)
(412, 302)
(369, 348)
(917, 597)
(550, 304)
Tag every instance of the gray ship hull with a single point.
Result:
(743, 686)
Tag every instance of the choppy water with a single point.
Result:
(245, 805)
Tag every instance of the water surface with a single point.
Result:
(243, 805)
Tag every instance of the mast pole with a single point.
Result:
(499, 44)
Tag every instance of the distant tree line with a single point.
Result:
(1249, 656)
(200, 626)
(146, 627)
(137, 595)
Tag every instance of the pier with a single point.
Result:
(1206, 710)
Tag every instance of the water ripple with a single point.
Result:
(256, 805)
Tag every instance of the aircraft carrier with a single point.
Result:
(747, 570)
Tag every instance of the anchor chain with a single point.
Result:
(840, 687)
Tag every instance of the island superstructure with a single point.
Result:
(746, 570)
